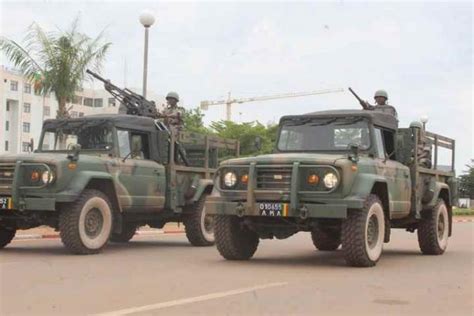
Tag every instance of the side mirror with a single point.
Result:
(258, 143)
(354, 155)
(74, 156)
(31, 145)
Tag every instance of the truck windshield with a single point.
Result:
(90, 135)
(324, 134)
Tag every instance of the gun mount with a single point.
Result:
(136, 104)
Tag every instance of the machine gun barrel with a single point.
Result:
(363, 103)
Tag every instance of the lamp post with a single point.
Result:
(424, 120)
(146, 19)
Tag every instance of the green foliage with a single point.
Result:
(56, 61)
(247, 133)
(193, 121)
(466, 182)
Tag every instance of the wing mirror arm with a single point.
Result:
(354, 155)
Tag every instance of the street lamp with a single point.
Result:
(146, 19)
(424, 120)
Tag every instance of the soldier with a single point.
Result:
(173, 114)
(381, 97)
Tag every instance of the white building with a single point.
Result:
(22, 111)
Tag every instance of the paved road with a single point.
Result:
(163, 275)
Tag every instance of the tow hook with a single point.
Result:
(303, 212)
(240, 210)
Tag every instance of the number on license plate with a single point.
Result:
(273, 209)
(5, 203)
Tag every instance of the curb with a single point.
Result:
(464, 220)
(56, 236)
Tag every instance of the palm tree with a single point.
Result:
(56, 61)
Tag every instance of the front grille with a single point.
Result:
(7, 172)
(273, 178)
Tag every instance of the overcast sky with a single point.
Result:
(420, 52)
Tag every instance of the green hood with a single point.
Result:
(48, 158)
(288, 158)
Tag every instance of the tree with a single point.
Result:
(193, 121)
(247, 133)
(56, 61)
(466, 182)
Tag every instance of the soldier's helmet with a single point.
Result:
(172, 95)
(381, 93)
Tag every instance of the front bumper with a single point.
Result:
(219, 206)
(302, 204)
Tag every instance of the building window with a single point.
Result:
(46, 110)
(27, 88)
(88, 101)
(8, 106)
(74, 114)
(98, 103)
(13, 85)
(111, 102)
(26, 107)
(26, 127)
(7, 125)
(77, 99)
(25, 146)
(81, 114)
(6, 145)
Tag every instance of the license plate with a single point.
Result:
(6, 203)
(273, 209)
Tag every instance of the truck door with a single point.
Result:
(140, 180)
(396, 174)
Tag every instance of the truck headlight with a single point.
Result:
(230, 179)
(47, 177)
(330, 180)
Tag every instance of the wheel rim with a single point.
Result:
(207, 225)
(373, 231)
(442, 227)
(93, 222)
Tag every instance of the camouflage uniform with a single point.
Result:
(173, 117)
(384, 107)
(173, 114)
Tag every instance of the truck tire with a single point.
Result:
(86, 224)
(198, 225)
(128, 231)
(433, 230)
(363, 234)
(325, 239)
(6, 236)
(233, 241)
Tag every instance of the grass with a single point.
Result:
(463, 211)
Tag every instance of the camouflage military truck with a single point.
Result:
(346, 176)
(101, 177)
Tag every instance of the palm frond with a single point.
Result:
(20, 57)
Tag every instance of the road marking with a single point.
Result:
(190, 300)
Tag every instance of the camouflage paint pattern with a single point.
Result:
(357, 179)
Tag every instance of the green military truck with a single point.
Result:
(346, 176)
(101, 177)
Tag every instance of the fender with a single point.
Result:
(437, 189)
(364, 183)
(203, 185)
(83, 178)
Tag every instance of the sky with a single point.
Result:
(420, 52)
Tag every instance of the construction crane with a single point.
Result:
(229, 101)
